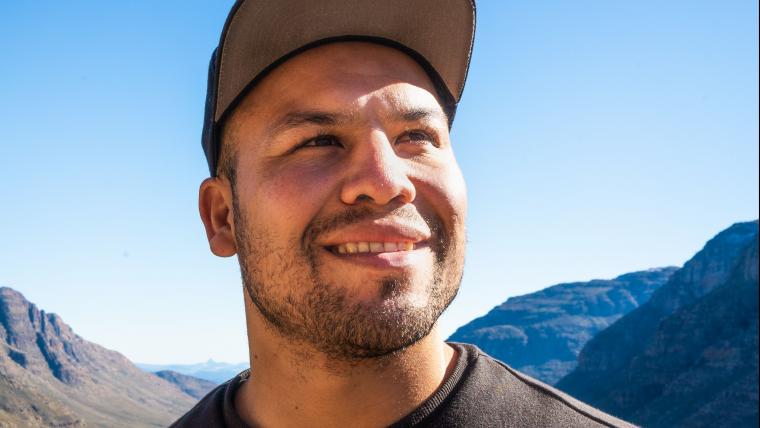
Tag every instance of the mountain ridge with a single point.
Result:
(192, 386)
(684, 357)
(50, 376)
(541, 333)
(213, 371)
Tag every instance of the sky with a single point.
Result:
(596, 138)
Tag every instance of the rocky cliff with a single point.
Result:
(49, 376)
(542, 333)
(689, 356)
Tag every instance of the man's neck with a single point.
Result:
(292, 385)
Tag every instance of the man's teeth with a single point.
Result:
(374, 247)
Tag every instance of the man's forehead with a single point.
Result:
(336, 83)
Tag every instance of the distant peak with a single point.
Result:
(662, 269)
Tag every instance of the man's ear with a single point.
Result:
(215, 205)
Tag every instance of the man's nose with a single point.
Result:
(376, 172)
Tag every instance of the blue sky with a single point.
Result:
(596, 138)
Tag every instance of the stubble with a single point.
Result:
(285, 285)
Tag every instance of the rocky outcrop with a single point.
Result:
(689, 356)
(542, 333)
(49, 376)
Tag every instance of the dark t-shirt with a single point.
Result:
(480, 392)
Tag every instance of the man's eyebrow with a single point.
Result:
(420, 114)
(297, 119)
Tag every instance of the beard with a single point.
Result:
(286, 284)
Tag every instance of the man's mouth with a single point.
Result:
(381, 255)
(371, 247)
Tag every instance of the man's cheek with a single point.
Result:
(449, 195)
(290, 198)
(456, 192)
(303, 180)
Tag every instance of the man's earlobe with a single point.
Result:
(215, 205)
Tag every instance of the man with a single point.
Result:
(335, 183)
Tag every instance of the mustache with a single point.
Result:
(406, 214)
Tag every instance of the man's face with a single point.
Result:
(349, 206)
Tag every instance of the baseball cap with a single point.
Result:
(259, 35)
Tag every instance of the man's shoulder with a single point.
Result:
(216, 409)
(495, 393)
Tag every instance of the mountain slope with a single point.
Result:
(689, 356)
(214, 371)
(542, 333)
(192, 386)
(49, 376)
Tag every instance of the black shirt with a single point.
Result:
(480, 392)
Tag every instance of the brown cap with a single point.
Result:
(261, 34)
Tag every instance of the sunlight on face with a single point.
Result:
(349, 206)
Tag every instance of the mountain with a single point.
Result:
(49, 376)
(192, 386)
(542, 333)
(214, 371)
(689, 356)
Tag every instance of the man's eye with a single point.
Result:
(321, 141)
(417, 137)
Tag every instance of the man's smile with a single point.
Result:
(382, 255)
(381, 243)
(372, 247)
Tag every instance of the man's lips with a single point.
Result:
(375, 237)
(382, 243)
(381, 258)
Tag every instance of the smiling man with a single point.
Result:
(334, 180)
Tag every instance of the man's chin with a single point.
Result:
(389, 331)
(379, 351)
(392, 320)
